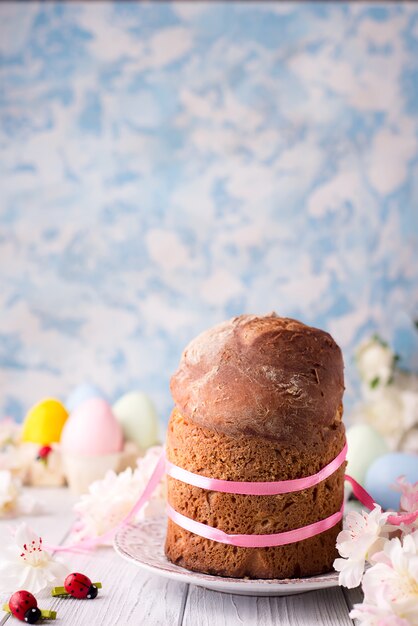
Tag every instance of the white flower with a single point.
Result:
(110, 500)
(12, 500)
(385, 412)
(391, 585)
(26, 565)
(9, 493)
(372, 615)
(393, 410)
(9, 432)
(9, 439)
(9, 459)
(364, 534)
(375, 362)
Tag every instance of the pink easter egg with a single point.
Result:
(92, 430)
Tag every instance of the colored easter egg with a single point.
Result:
(138, 418)
(92, 430)
(365, 445)
(44, 422)
(383, 473)
(80, 394)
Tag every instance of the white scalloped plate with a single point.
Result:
(143, 544)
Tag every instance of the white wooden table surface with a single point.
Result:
(133, 597)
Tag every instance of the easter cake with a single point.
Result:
(257, 399)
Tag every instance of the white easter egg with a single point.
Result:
(365, 445)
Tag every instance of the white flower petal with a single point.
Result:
(111, 499)
(352, 574)
(25, 535)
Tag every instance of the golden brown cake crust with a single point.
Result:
(266, 376)
(218, 455)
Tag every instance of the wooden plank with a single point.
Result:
(4, 619)
(209, 608)
(353, 596)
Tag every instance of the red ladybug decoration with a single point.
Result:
(78, 586)
(24, 606)
(43, 453)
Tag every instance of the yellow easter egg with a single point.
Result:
(44, 422)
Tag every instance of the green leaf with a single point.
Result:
(378, 338)
(375, 382)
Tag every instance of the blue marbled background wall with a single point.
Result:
(167, 166)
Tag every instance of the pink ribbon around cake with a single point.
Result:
(254, 541)
(272, 488)
(164, 466)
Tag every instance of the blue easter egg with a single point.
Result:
(383, 473)
(80, 394)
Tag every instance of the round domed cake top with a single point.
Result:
(266, 376)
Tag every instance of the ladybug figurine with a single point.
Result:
(78, 586)
(43, 453)
(24, 606)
